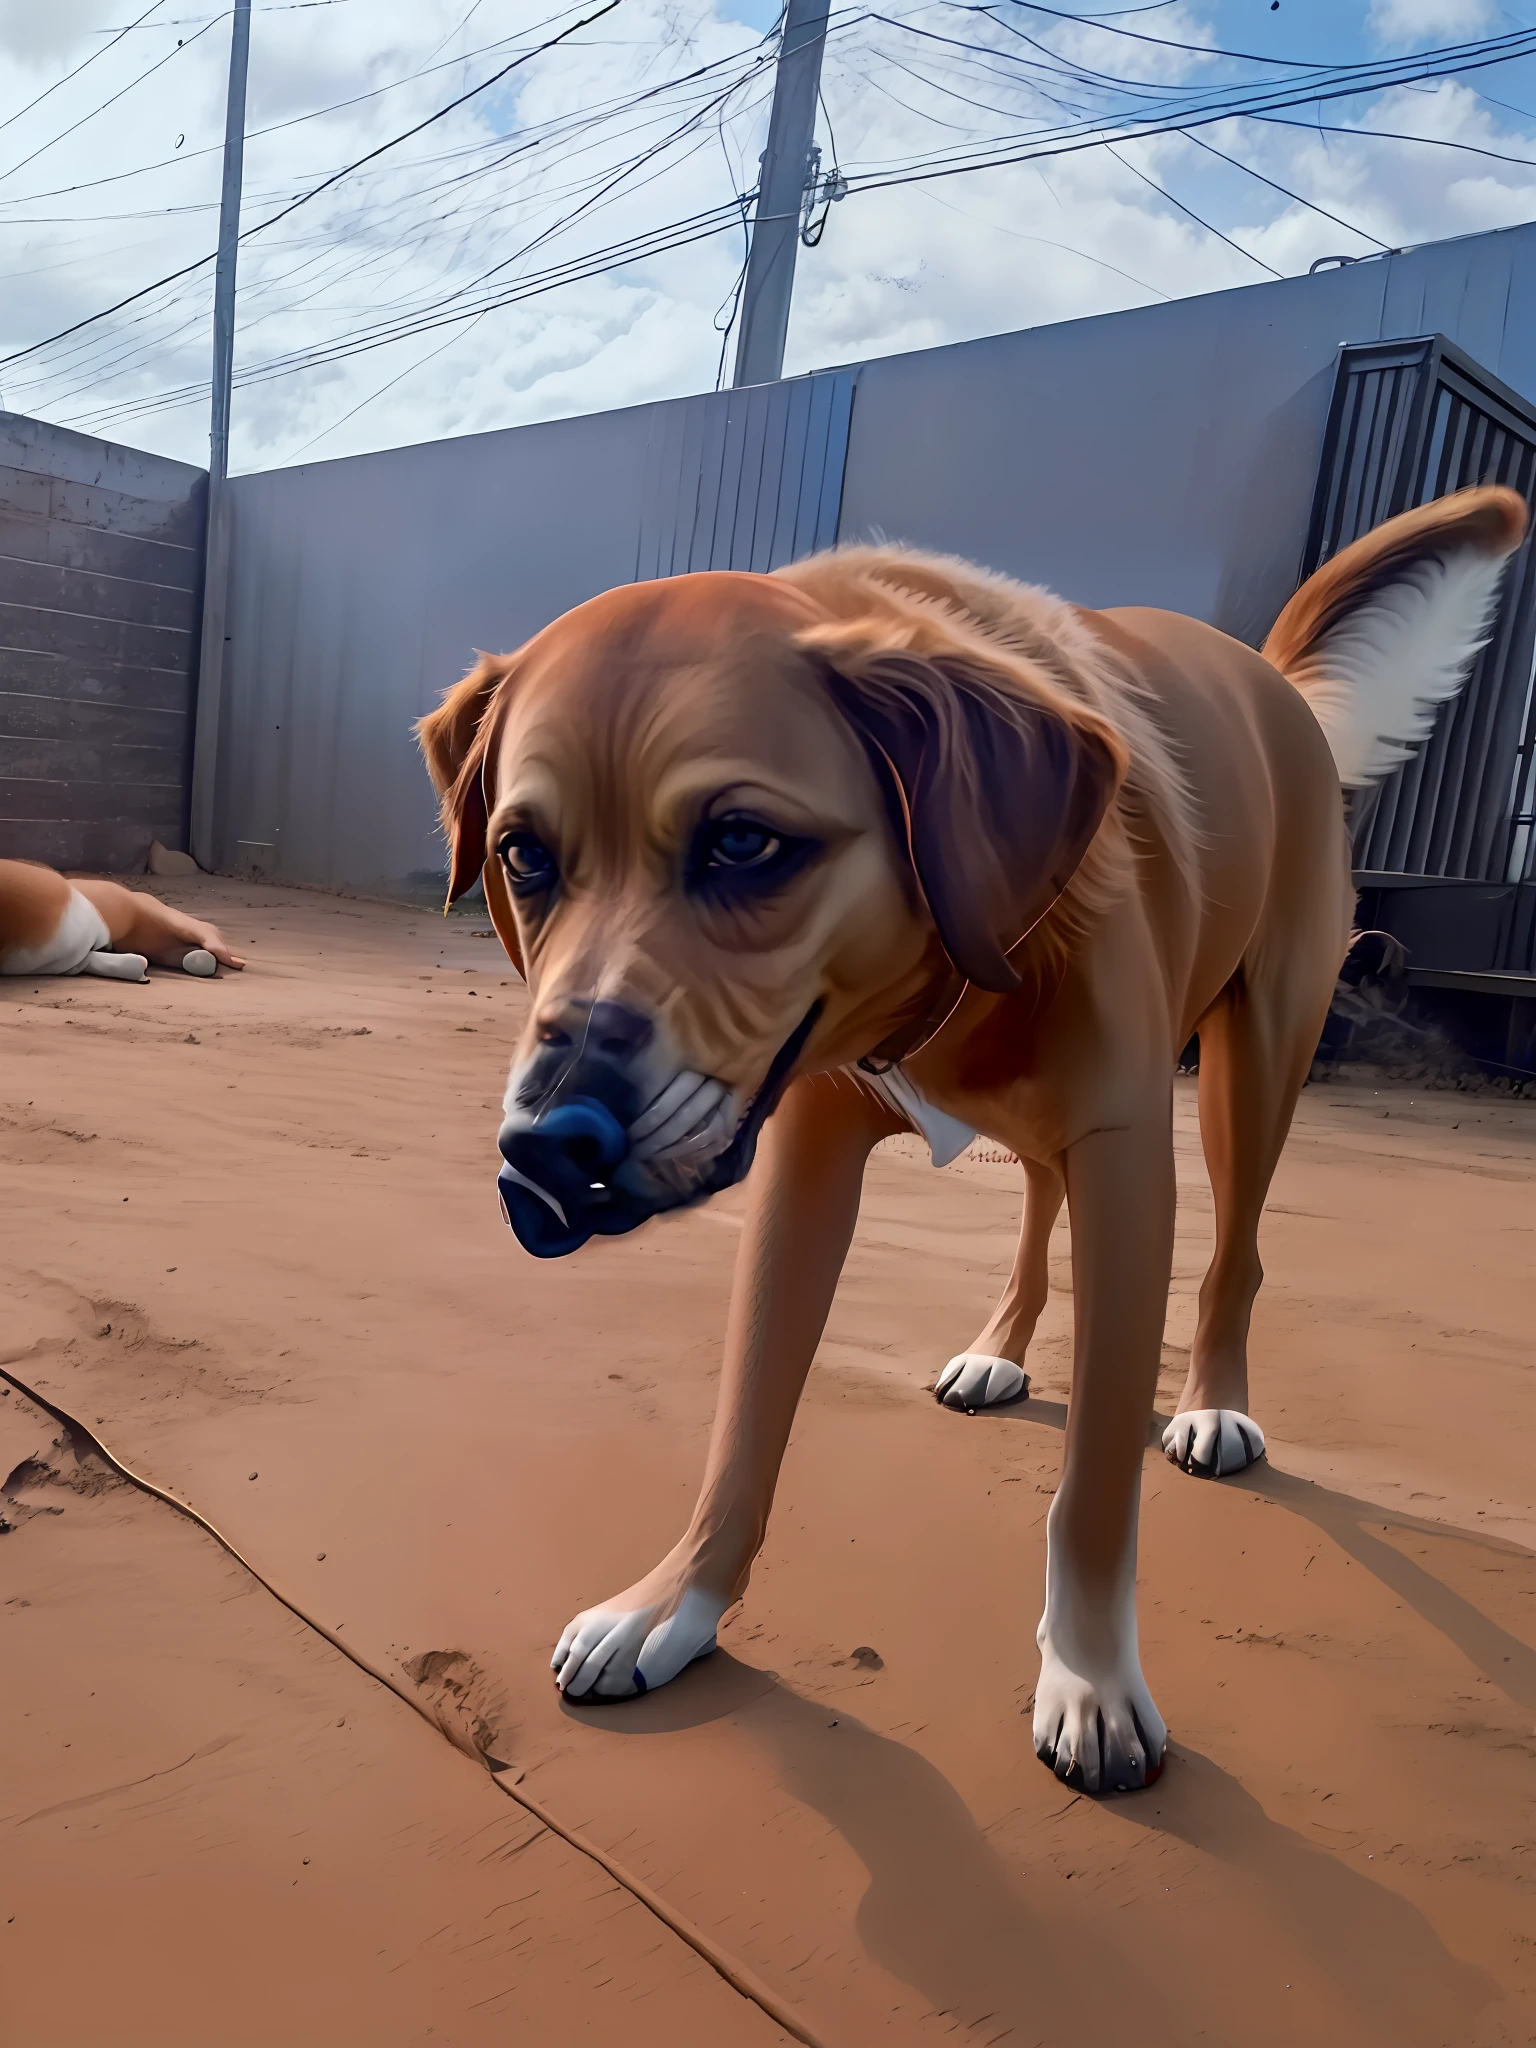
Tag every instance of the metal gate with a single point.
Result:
(1410, 421)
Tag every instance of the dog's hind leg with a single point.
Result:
(992, 1371)
(1256, 1044)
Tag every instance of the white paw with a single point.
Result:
(611, 1653)
(974, 1380)
(199, 961)
(1099, 1732)
(117, 966)
(1213, 1442)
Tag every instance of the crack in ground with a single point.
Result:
(740, 1979)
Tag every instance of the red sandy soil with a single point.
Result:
(251, 1229)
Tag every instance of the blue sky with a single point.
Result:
(1331, 31)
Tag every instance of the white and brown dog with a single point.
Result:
(794, 862)
(50, 924)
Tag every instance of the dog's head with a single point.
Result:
(726, 838)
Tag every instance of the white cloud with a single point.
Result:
(1396, 22)
(481, 195)
(40, 33)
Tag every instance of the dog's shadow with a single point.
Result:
(982, 1937)
(1356, 1526)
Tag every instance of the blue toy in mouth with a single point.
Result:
(561, 1182)
(555, 1187)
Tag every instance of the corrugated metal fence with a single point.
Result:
(745, 479)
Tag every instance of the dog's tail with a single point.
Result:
(1389, 628)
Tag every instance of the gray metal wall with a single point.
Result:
(100, 560)
(1165, 456)
(362, 588)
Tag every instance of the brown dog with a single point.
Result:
(52, 925)
(753, 840)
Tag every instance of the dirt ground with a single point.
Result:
(252, 1239)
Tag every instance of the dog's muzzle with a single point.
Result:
(584, 1162)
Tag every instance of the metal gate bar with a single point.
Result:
(1410, 421)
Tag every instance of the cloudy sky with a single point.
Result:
(569, 238)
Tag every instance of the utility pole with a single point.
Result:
(210, 667)
(787, 167)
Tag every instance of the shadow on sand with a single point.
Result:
(1002, 1946)
(998, 1945)
(1357, 1527)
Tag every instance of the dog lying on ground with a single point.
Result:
(879, 842)
(52, 925)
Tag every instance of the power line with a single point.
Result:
(1197, 218)
(1045, 241)
(1047, 148)
(276, 127)
(1245, 102)
(1242, 56)
(58, 83)
(1275, 186)
(1235, 162)
(44, 147)
(646, 157)
(1370, 75)
(1501, 156)
(119, 351)
(630, 249)
(325, 183)
(675, 235)
(986, 49)
(410, 370)
(1144, 88)
(1093, 120)
(453, 105)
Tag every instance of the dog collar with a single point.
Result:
(911, 1038)
(948, 995)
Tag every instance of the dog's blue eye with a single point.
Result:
(737, 859)
(527, 860)
(739, 843)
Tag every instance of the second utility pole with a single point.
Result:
(210, 667)
(786, 168)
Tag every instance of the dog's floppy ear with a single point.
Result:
(994, 790)
(454, 740)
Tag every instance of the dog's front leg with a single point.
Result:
(1095, 1722)
(804, 1202)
